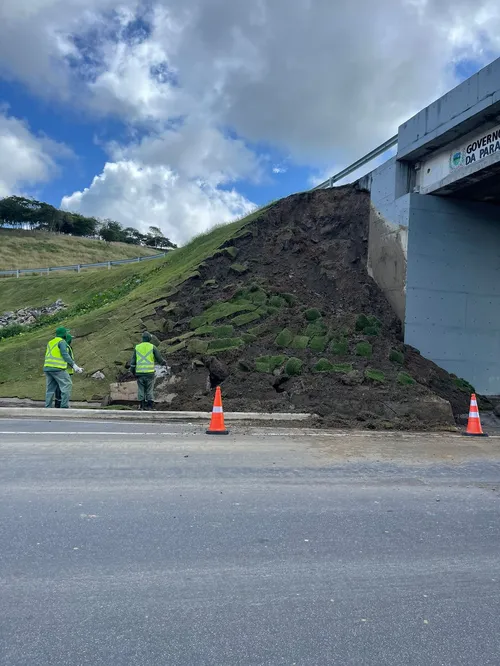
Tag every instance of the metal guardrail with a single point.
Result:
(359, 163)
(17, 272)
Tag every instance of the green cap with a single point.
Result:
(146, 337)
(61, 332)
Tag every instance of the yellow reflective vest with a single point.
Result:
(53, 356)
(70, 352)
(144, 358)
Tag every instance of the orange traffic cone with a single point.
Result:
(474, 425)
(217, 426)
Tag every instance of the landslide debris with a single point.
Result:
(286, 318)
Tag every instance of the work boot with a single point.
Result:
(142, 405)
(149, 405)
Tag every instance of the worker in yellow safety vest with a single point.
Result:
(57, 400)
(142, 364)
(55, 367)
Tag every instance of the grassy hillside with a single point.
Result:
(104, 335)
(41, 249)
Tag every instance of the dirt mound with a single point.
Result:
(285, 317)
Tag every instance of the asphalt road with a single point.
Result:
(175, 549)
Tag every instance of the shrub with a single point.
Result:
(323, 365)
(405, 379)
(197, 346)
(223, 344)
(339, 347)
(269, 364)
(293, 367)
(12, 330)
(248, 338)
(277, 302)
(364, 349)
(284, 339)
(223, 331)
(312, 314)
(375, 375)
(300, 342)
(362, 322)
(396, 357)
(318, 343)
(372, 330)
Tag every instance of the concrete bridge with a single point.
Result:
(434, 243)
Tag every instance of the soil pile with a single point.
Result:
(285, 317)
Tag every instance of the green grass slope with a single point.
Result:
(105, 334)
(42, 249)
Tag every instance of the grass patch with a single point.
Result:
(312, 314)
(396, 357)
(375, 375)
(290, 299)
(257, 296)
(210, 283)
(248, 338)
(463, 385)
(224, 344)
(369, 325)
(339, 347)
(318, 343)
(223, 331)
(269, 364)
(197, 346)
(41, 249)
(220, 311)
(300, 342)
(284, 339)
(204, 330)
(172, 349)
(239, 268)
(231, 251)
(405, 379)
(293, 367)
(316, 328)
(277, 302)
(323, 365)
(364, 349)
(246, 318)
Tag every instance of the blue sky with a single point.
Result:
(157, 114)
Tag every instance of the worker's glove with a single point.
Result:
(77, 369)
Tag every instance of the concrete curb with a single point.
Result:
(132, 415)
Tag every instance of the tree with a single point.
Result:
(112, 232)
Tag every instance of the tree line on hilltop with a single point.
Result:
(23, 213)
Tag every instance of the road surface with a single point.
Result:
(151, 545)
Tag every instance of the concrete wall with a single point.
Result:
(388, 236)
(464, 108)
(453, 287)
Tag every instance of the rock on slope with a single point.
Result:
(285, 317)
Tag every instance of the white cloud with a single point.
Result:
(308, 76)
(25, 159)
(321, 80)
(141, 196)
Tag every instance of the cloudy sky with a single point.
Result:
(187, 113)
